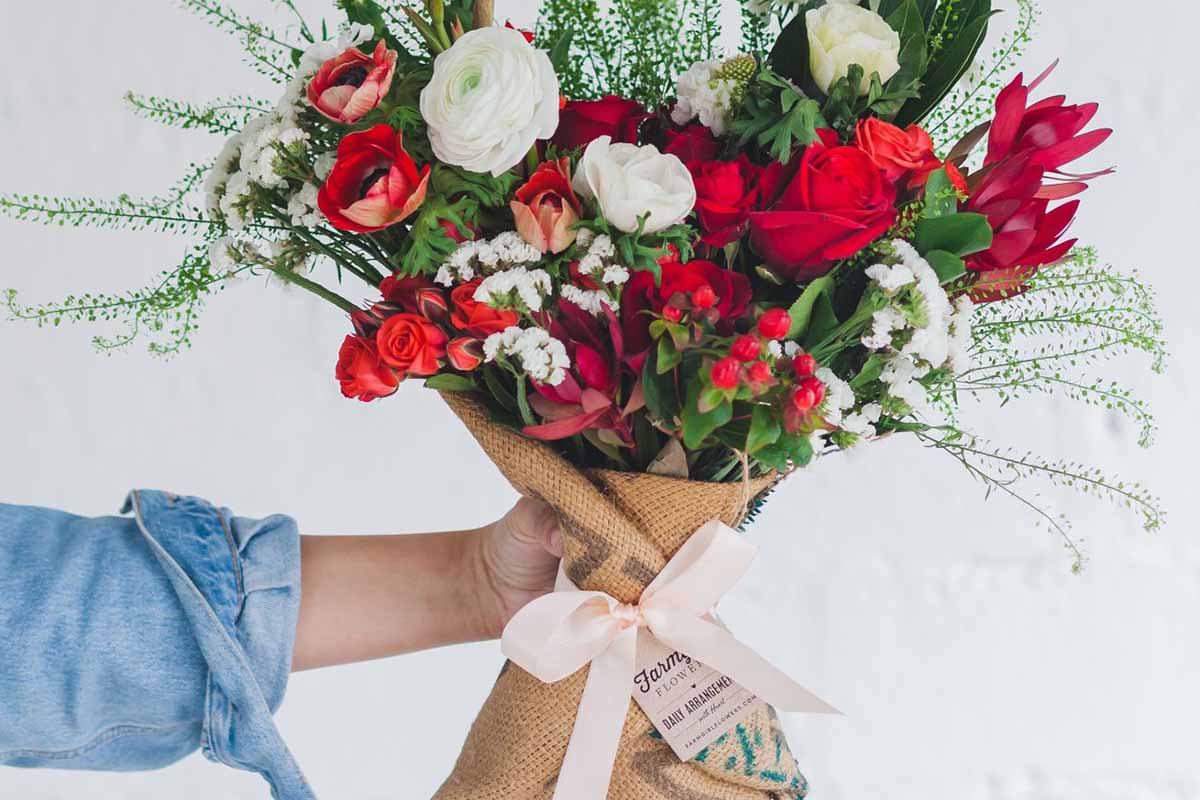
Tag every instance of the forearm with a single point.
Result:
(369, 597)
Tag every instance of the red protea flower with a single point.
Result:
(1022, 176)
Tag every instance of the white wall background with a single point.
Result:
(970, 663)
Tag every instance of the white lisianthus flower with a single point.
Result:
(843, 34)
(491, 97)
(630, 181)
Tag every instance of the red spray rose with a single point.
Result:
(582, 121)
(464, 353)
(898, 152)
(725, 194)
(361, 373)
(692, 144)
(352, 84)
(546, 207)
(411, 344)
(374, 184)
(478, 319)
(821, 208)
(731, 289)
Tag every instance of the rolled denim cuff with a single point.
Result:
(267, 572)
(239, 582)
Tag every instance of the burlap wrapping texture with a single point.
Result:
(620, 529)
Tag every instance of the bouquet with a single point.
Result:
(654, 277)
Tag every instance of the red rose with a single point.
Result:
(374, 183)
(693, 143)
(898, 152)
(725, 194)
(582, 121)
(821, 208)
(546, 208)
(411, 344)
(732, 289)
(478, 319)
(349, 86)
(361, 372)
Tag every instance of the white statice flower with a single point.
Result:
(517, 288)
(920, 330)
(481, 257)
(323, 165)
(492, 96)
(843, 34)
(218, 177)
(234, 201)
(700, 92)
(302, 207)
(222, 255)
(543, 358)
(862, 422)
(630, 182)
(960, 334)
(599, 263)
(839, 397)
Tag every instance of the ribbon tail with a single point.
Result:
(592, 751)
(716, 648)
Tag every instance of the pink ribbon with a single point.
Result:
(558, 634)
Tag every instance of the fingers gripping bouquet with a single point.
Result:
(654, 278)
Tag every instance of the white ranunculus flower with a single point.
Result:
(842, 34)
(491, 97)
(630, 181)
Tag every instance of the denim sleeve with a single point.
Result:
(129, 642)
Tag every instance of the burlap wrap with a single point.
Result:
(620, 529)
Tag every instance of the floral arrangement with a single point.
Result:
(650, 252)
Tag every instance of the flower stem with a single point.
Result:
(315, 288)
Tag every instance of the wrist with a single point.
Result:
(484, 611)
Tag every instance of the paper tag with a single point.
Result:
(691, 705)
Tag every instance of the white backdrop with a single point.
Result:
(970, 663)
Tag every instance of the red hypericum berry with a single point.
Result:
(804, 365)
(673, 314)
(775, 324)
(817, 388)
(746, 348)
(760, 372)
(803, 399)
(726, 373)
(704, 297)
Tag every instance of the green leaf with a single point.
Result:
(523, 400)
(802, 310)
(960, 235)
(941, 198)
(668, 355)
(790, 55)
(698, 425)
(561, 51)
(948, 266)
(908, 21)
(659, 391)
(448, 382)
(496, 386)
(966, 33)
(870, 372)
(764, 429)
(824, 322)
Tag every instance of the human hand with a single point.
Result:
(514, 561)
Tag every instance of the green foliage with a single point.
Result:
(165, 312)
(1005, 471)
(776, 116)
(268, 50)
(632, 48)
(956, 33)
(224, 117)
(1075, 315)
(972, 103)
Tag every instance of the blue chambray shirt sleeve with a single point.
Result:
(131, 641)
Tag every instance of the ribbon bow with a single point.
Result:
(558, 634)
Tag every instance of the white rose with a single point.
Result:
(843, 34)
(630, 181)
(491, 97)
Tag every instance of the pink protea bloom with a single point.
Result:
(349, 86)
